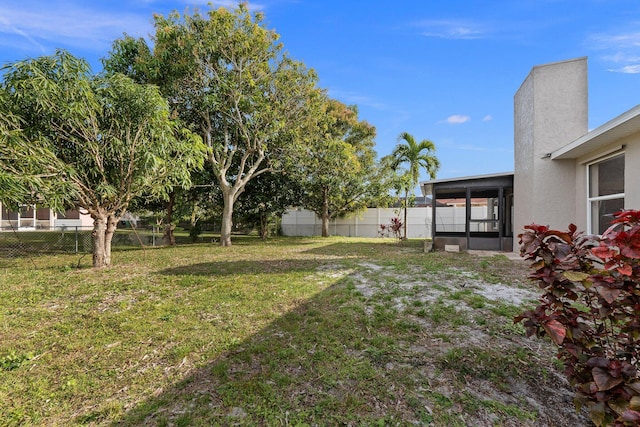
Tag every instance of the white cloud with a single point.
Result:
(627, 69)
(229, 4)
(450, 29)
(6, 26)
(472, 147)
(351, 98)
(623, 48)
(457, 119)
(616, 41)
(621, 58)
(487, 118)
(69, 24)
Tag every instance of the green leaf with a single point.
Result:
(597, 413)
(618, 405)
(575, 276)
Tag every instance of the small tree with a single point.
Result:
(266, 199)
(591, 311)
(112, 138)
(338, 172)
(417, 155)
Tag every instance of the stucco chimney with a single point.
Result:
(550, 111)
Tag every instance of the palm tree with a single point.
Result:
(417, 156)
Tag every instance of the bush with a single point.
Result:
(395, 229)
(195, 231)
(590, 309)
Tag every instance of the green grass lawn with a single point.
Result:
(292, 331)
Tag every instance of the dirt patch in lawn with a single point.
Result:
(480, 367)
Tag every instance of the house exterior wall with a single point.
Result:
(631, 172)
(45, 219)
(631, 148)
(550, 110)
(84, 221)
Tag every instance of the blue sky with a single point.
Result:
(440, 70)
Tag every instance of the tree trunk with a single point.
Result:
(325, 213)
(227, 219)
(98, 233)
(112, 224)
(264, 227)
(168, 238)
(104, 226)
(406, 205)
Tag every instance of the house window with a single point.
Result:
(606, 192)
(69, 214)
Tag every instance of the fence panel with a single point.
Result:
(365, 224)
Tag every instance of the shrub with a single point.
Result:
(590, 309)
(395, 228)
(195, 231)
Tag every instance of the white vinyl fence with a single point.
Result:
(364, 224)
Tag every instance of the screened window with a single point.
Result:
(451, 213)
(606, 192)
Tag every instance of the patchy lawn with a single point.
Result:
(294, 331)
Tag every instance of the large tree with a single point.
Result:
(416, 156)
(166, 66)
(339, 172)
(27, 171)
(114, 136)
(238, 89)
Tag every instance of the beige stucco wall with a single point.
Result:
(550, 111)
(632, 172)
(631, 148)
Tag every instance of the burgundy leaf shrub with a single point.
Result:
(590, 309)
(394, 228)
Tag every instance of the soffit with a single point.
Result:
(614, 130)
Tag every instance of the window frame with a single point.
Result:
(596, 199)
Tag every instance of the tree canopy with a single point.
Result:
(228, 78)
(27, 171)
(339, 172)
(110, 138)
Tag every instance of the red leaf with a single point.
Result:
(603, 252)
(630, 251)
(560, 234)
(630, 416)
(600, 362)
(556, 331)
(604, 380)
(609, 295)
(626, 270)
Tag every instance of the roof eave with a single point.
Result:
(615, 129)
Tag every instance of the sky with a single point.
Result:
(445, 71)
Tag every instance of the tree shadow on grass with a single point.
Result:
(335, 360)
(322, 362)
(221, 268)
(363, 248)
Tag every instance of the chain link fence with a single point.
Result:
(72, 239)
